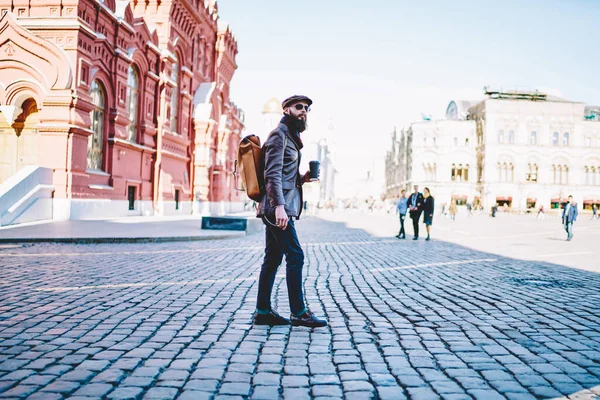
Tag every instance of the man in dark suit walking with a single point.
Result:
(415, 207)
(569, 216)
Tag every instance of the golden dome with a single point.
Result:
(273, 106)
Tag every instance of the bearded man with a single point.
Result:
(279, 206)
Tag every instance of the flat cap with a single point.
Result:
(295, 99)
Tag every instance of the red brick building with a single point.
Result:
(127, 102)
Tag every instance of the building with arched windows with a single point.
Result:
(522, 149)
(127, 103)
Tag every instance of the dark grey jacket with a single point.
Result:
(283, 182)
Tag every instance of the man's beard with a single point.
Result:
(298, 124)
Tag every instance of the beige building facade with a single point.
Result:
(522, 149)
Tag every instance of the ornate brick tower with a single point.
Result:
(127, 102)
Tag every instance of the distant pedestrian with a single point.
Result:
(415, 206)
(541, 213)
(401, 208)
(452, 210)
(428, 207)
(494, 210)
(469, 209)
(569, 216)
(444, 209)
(594, 211)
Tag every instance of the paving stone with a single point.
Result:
(545, 391)
(421, 393)
(50, 396)
(411, 380)
(265, 393)
(18, 375)
(94, 365)
(391, 393)
(195, 395)
(39, 380)
(110, 375)
(235, 388)
(77, 375)
(329, 379)
(19, 391)
(264, 378)
(508, 386)
(479, 394)
(326, 391)
(519, 396)
(96, 390)
(296, 394)
(60, 386)
(125, 393)
(138, 381)
(157, 393)
(208, 385)
(354, 386)
(294, 381)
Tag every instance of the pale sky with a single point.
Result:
(370, 66)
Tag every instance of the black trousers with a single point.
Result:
(402, 231)
(415, 220)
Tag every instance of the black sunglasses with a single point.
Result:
(302, 106)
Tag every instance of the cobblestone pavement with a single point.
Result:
(408, 319)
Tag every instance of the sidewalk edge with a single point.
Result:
(92, 240)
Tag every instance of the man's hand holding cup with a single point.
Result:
(313, 173)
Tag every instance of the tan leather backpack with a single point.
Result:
(250, 167)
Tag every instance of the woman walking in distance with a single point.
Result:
(428, 207)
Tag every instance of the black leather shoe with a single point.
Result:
(272, 318)
(415, 238)
(307, 319)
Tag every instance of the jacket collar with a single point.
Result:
(292, 132)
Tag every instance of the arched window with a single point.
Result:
(593, 180)
(511, 170)
(434, 171)
(555, 139)
(175, 97)
(565, 175)
(499, 172)
(587, 175)
(459, 172)
(533, 138)
(133, 87)
(501, 136)
(511, 136)
(466, 173)
(560, 174)
(565, 139)
(96, 139)
(201, 60)
(554, 172)
(453, 176)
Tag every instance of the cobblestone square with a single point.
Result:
(465, 316)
